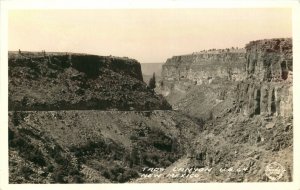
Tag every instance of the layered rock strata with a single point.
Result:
(268, 88)
(202, 68)
(261, 75)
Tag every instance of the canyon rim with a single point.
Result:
(221, 110)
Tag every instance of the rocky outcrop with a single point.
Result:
(270, 60)
(56, 81)
(248, 123)
(265, 98)
(234, 115)
(262, 79)
(180, 72)
(268, 89)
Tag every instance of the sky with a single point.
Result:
(147, 35)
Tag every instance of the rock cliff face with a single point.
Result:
(260, 79)
(234, 114)
(248, 121)
(270, 60)
(268, 88)
(180, 72)
(78, 81)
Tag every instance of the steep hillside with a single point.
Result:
(252, 81)
(207, 79)
(233, 148)
(78, 81)
(76, 118)
(248, 119)
(64, 126)
(92, 146)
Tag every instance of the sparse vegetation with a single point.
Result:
(93, 82)
(27, 150)
(210, 128)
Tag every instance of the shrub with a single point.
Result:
(35, 156)
(77, 179)
(58, 175)
(18, 117)
(27, 151)
(117, 173)
(50, 168)
(152, 82)
(26, 171)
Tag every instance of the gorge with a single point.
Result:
(78, 118)
(245, 98)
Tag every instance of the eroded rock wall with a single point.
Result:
(270, 60)
(246, 123)
(268, 99)
(202, 68)
(262, 74)
(268, 88)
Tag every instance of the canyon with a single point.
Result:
(78, 118)
(246, 104)
(257, 79)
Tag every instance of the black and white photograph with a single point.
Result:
(150, 95)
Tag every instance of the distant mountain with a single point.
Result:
(150, 68)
